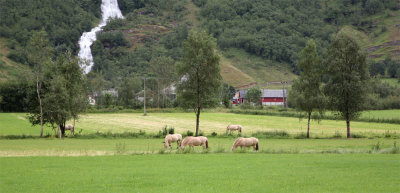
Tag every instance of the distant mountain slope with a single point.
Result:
(258, 40)
(382, 39)
(9, 69)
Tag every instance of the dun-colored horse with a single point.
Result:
(170, 138)
(233, 128)
(194, 141)
(245, 142)
(71, 128)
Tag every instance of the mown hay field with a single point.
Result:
(17, 124)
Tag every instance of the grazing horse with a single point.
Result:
(233, 128)
(245, 142)
(172, 138)
(71, 128)
(194, 141)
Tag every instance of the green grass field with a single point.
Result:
(203, 173)
(91, 147)
(382, 114)
(107, 164)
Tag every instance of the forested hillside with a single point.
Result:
(258, 41)
(64, 21)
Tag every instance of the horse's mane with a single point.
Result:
(237, 141)
(183, 141)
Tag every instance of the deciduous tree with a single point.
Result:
(63, 95)
(254, 95)
(39, 52)
(306, 91)
(347, 69)
(199, 73)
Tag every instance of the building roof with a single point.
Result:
(268, 93)
(265, 93)
(242, 93)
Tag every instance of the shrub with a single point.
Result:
(189, 133)
(301, 135)
(272, 134)
(214, 134)
(337, 135)
(376, 147)
(395, 149)
(357, 135)
(171, 130)
(120, 148)
(201, 133)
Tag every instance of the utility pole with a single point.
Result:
(144, 100)
(283, 93)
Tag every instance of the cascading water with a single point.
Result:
(109, 9)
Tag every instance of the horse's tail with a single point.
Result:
(206, 143)
(257, 146)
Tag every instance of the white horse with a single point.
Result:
(233, 128)
(194, 141)
(245, 142)
(172, 138)
(71, 128)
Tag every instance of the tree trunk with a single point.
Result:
(308, 126)
(62, 129)
(40, 105)
(348, 127)
(197, 121)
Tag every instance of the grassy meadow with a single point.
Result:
(203, 173)
(92, 163)
(101, 146)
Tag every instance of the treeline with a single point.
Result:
(63, 20)
(278, 30)
(387, 67)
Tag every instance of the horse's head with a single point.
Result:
(182, 144)
(166, 143)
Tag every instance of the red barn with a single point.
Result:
(273, 97)
(268, 97)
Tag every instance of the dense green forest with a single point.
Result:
(63, 20)
(258, 41)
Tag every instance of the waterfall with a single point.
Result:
(109, 9)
